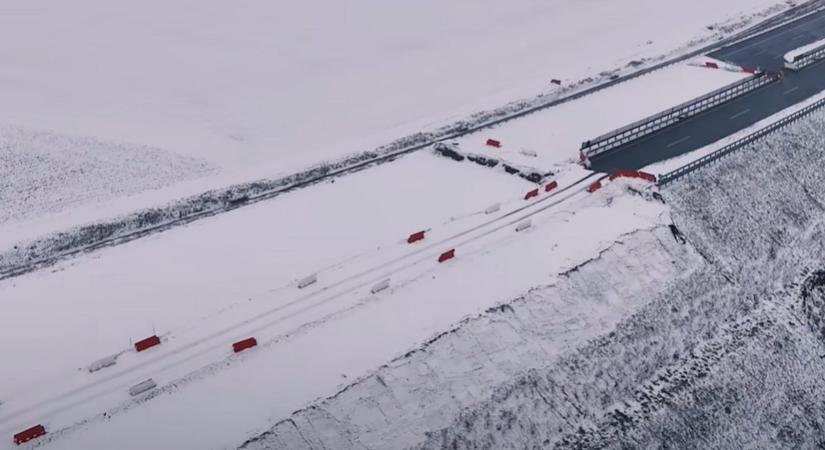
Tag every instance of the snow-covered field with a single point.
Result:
(547, 141)
(551, 138)
(162, 99)
(262, 90)
(713, 344)
(246, 264)
(42, 173)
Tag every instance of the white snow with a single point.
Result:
(267, 88)
(247, 263)
(556, 134)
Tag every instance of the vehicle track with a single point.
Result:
(221, 339)
(792, 14)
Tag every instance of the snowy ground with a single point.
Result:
(209, 114)
(248, 268)
(551, 139)
(723, 349)
(552, 136)
(426, 389)
(259, 92)
(75, 171)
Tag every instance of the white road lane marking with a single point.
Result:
(678, 142)
(791, 90)
(740, 114)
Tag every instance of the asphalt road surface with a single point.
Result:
(767, 51)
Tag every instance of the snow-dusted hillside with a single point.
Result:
(722, 348)
(43, 173)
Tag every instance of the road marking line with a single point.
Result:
(793, 89)
(678, 142)
(739, 114)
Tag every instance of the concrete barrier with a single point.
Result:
(103, 363)
(524, 225)
(143, 386)
(307, 281)
(380, 286)
(492, 208)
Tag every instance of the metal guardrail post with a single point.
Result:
(730, 148)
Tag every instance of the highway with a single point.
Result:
(766, 51)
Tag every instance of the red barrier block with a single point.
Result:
(594, 187)
(531, 194)
(550, 186)
(449, 254)
(556, 81)
(750, 70)
(244, 344)
(646, 176)
(415, 237)
(493, 143)
(711, 65)
(147, 343)
(27, 435)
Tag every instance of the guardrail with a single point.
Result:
(806, 59)
(681, 112)
(745, 141)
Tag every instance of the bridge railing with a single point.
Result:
(671, 116)
(745, 141)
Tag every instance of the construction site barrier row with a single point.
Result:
(747, 140)
(664, 119)
(633, 174)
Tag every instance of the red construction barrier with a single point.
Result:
(711, 65)
(493, 143)
(550, 186)
(531, 194)
(594, 187)
(449, 254)
(556, 81)
(27, 435)
(244, 344)
(633, 174)
(147, 343)
(415, 237)
(620, 174)
(750, 70)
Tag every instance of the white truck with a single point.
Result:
(806, 55)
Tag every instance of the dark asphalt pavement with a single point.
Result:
(726, 119)
(767, 51)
